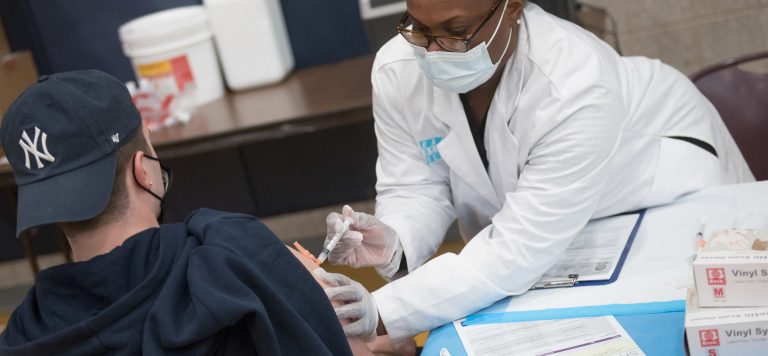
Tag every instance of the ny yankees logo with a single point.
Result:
(30, 147)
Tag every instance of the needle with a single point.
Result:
(335, 240)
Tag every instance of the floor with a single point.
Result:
(9, 299)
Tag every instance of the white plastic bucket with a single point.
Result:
(252, 39)
(173, 50)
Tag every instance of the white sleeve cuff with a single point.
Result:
(388, 271)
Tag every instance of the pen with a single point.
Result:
(700, 242)
(332, 244)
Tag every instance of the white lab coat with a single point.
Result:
(574, 132)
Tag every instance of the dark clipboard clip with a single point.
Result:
(571, 281)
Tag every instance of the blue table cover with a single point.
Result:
(656, 327)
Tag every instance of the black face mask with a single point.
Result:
(167, 179)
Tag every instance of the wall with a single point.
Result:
(69, 35)
(324, 31)
(689, 34)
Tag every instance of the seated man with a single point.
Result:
(219, 283)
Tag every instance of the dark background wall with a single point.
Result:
(78, 34)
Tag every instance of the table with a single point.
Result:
(308, 100)
(657, 268)
(223, 157)
(252, 151)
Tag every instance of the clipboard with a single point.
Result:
(573, 279)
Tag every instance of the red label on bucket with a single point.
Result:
(182, 72)
(171, 75)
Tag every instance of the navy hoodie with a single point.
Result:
(219, 284)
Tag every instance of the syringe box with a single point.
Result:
(732, 270)
(725, 331)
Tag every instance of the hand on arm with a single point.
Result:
(354, 305)
(357, 345)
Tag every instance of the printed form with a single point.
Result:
(595, 252)
(600, 336)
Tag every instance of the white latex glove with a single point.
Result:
(730, 240)
(368, 242)
(357, 304)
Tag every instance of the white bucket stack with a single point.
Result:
(252, 40)
(173, 50)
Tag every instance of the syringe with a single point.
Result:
(335, 240)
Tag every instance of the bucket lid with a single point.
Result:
(164, 31)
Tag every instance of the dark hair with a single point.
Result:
(118, 203)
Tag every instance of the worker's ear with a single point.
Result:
(140, 175)
(515, 9)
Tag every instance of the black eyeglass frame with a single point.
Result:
(402, 30)
(166, 173)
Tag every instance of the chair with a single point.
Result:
(741, 98)
(26, 238)
(17, 72)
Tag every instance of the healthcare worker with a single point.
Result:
(523, 127)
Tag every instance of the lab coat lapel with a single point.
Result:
(502, 157)
(502, 146)
(458, 148)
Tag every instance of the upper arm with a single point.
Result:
(577, 147)
(410, 190)
(401, 162)
(358, 346)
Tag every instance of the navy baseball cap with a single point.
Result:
(61, 137)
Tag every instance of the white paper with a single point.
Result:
(657, 267)
(595, 251)
(601, 336)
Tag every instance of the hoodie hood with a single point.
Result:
(217, 282)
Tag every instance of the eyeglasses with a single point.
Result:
(446, 42)
(164, 171)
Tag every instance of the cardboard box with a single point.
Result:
(732, 270)
(725, 331)
(17, 72)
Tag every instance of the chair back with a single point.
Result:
(738, 88)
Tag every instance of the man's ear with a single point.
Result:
(139, 173)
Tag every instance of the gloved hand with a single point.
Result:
(357, 304)
(368, 242)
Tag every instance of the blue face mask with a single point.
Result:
(460, 72)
